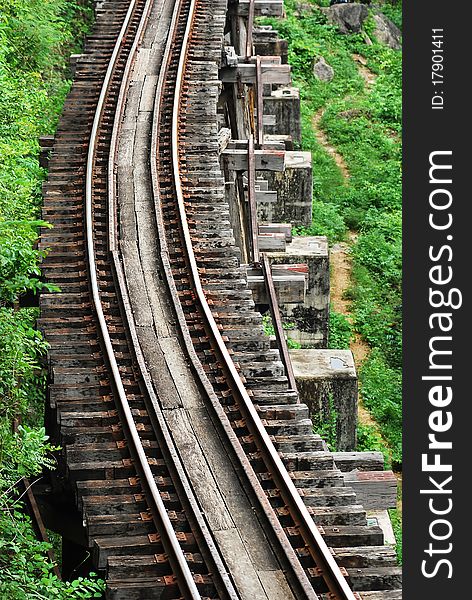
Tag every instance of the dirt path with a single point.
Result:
(323, 140)
(340, 255)
(366, 73)
(341, 274)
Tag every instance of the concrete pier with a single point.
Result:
(327, 383)
(284, 105)
(310, 319)
(294, 187)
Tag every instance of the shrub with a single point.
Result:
(378, 315)
(36, 38)
(369, 438)
(25, 571)
(381, 392)
(19, 260)
(393, 10)
(340, 331)
(21, 378)
(327, 221)
(381, 257)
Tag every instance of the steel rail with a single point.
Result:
(251, 201)
(324, 560)
(259, 103)
(299, 580)
(112, 204)
(224, 585)
(277, 322)
(236, 454)
(250, 28)
(176, 557)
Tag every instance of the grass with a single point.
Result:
(396, 520)
(363, 123)
(340, 331)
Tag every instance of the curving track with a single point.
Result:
(145, 508)
(180, 77)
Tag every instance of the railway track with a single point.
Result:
(222, 372)
(146, 511)
(117, 451)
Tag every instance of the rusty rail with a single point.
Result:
(277, 322)
(332, 574)
(173, 460)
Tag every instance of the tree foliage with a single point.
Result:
(36, 37)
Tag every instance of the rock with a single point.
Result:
(302, 9)
(322, 70)
(348, 17)
(387, 32)
(351, 113)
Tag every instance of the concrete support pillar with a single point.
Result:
(268, 43)
(294, 187)
(311, 318)
(284, 104)
(327, 383)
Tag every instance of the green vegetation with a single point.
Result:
(269, 331)
(381, 392)
(36, 39)
(396, 519)
(326, 425)
(326, 221)
(359, 112)
(369, 438)
(393, 10)
(19, 270)
(340, 331)
(25, 571)
(21, 378)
